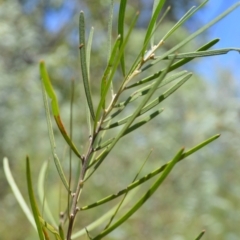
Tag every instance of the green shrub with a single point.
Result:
(110, 118)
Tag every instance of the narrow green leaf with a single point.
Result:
(143, 54)
(49, 89)
(132, 128)
(165, 95)
(208, 53)
(144, 198)
(83, 61)
(200, 235)
(42, 195)
(88, 57)
(114, 68)
(114, 114)
(186, 16)
(49, 227)
(125, 195)
(139, 93)
(88, 51)
(33, 203)
(52, 141)
(104, 217)
(143, 91)
(195, 34)
(150, 175)
(174, 66)
(110, 23)
(106, 80)
(66, 136)
(155, 3)
(122, 121)
(152, 23)
(17, 193)
(121, 18)
(55, 109)
(201, 145)
(71, 133)
(103, 145)
(123, 46)
(143, 121)
(60, 172)
(61, 232)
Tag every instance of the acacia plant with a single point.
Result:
(107, 114)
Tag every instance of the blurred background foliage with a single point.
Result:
(202, 192)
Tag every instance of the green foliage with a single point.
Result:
(109, 107)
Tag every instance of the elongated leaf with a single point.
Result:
(143, 91)
(49, 89)
(41, 193)
(143, 121)
(66, 136)
(88, 58)
(114, 68)
(174, 66)
(55, 109)
(52, 142)
(71, 133)
(17, 193)
(122, 48)
(88, 50)
(110, 23)
(105, 144)
(152, 23)
(122, 121)
(183, 20)
(49, 227)
(83, 61)
(121, 18)
(208, 53)
(88, 61)
(125, 195)
(165, 95)
(132, 128)
(144, 198)
(195, 34)
(200, 235)
(104, 217)
(150, 175)
(144, 55)
(106, 81)
(155, 3)
(60, 172)
(61, 232)
(33, 203)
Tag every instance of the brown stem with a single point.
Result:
(76, 196)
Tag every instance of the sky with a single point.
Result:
(228, 30)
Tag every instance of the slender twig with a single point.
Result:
(76, 195)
